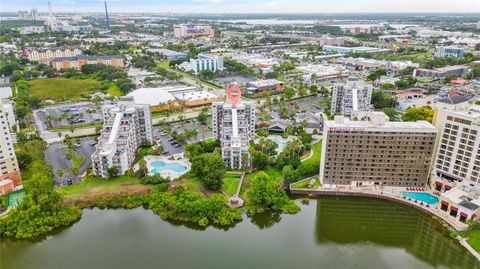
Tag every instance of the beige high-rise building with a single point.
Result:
(458, 150)
(376, 152)
(9, 170)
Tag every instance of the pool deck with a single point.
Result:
(169, 174)
(391, 194)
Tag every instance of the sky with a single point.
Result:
(248, 6)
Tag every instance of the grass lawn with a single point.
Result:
(317, 154)
(230, 183)
(77, 161)
(473, 238)
(94, 186)
(59, 89)
(114, 91)
(164, 64)
(304, 184)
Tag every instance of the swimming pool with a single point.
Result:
(281, 144)
(159, 166)
(421, 196)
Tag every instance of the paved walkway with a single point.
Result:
(464, 243)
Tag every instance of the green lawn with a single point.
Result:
(59, 89)
(304, 184)
(114, 91)
(230, 183)
(473, 237)
(77, 161)
(164, 64)
(92, 186)
(317, 154)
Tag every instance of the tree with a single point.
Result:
(113, 172)
(210, 168)
(289, 175)
(376, 74)
(418, 113)
(260, 160)
(267, 194)
(289, 93)
(382, 100)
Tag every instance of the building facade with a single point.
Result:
(206, 61)
(351, 98)
(441, 73)
(449, 52)
(234, 125)
(458, 151)
(9, 170)
(376, 152)
(46, 55)
(76, 62)
(191, 31)
(127, 126)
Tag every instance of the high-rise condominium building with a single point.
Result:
(458, 150)
(206, 61)
(9, 170)
(449, 51)
(376, 152)
(350, 98)
(233, 123)
(127, 126)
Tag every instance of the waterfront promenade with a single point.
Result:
(391, 194)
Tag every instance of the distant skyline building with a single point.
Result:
(183, 31)
(107, 22)
(233, 123)
(31, 15)
(449, 51)
(127, 126)
(351, 98)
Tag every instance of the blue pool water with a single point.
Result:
(281, 144)
(159, 166)
(421, 196)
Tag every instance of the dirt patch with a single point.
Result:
(129, 189)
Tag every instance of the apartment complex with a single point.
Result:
(206, 61)
(9, 170)
(191, 31)
(351, 98)
(233, 123)
(46, 55)
(376, 152)
(458, 151)
(127, 126)
(78, 61)
(448, 51)
(442, 72)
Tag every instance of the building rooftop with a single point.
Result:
(453, 100)
(466, 195)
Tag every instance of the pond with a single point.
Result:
(329, 233)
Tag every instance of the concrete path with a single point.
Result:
(464, 243)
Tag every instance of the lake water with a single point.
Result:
(328, 233)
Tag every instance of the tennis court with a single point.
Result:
(16, 197)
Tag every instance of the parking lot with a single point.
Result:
(83, 113)
(55, 155)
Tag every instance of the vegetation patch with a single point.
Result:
(230, 183)
(60, 89)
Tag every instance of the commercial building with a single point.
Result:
(9, 171)
(442, 72)
(166, 98)
(263, 85)
(376, 152)
(462, 202)
(345, 50)
(449, 51)
(76, 62)
(233, 123)
(46, 55)
(206, 61)
(350, 98)
(168, 54)
(127, 126)
(322, 72)
(191, 31)
(458, 151)
(32, 30)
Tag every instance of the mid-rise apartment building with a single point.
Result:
(376, 152)
(9, 171)
(449, 51)
(46, 55)
(127, 126)
(458, 150)
(351, 98)
(76, 62)
(191, 31)
(233, 123)
(442, 72)
(206, 61)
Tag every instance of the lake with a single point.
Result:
(329, 232)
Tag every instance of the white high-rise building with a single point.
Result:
(206, 61)
(233, 123)
(9, 169)
(127, 126)
(351, 98)
(458, 150)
